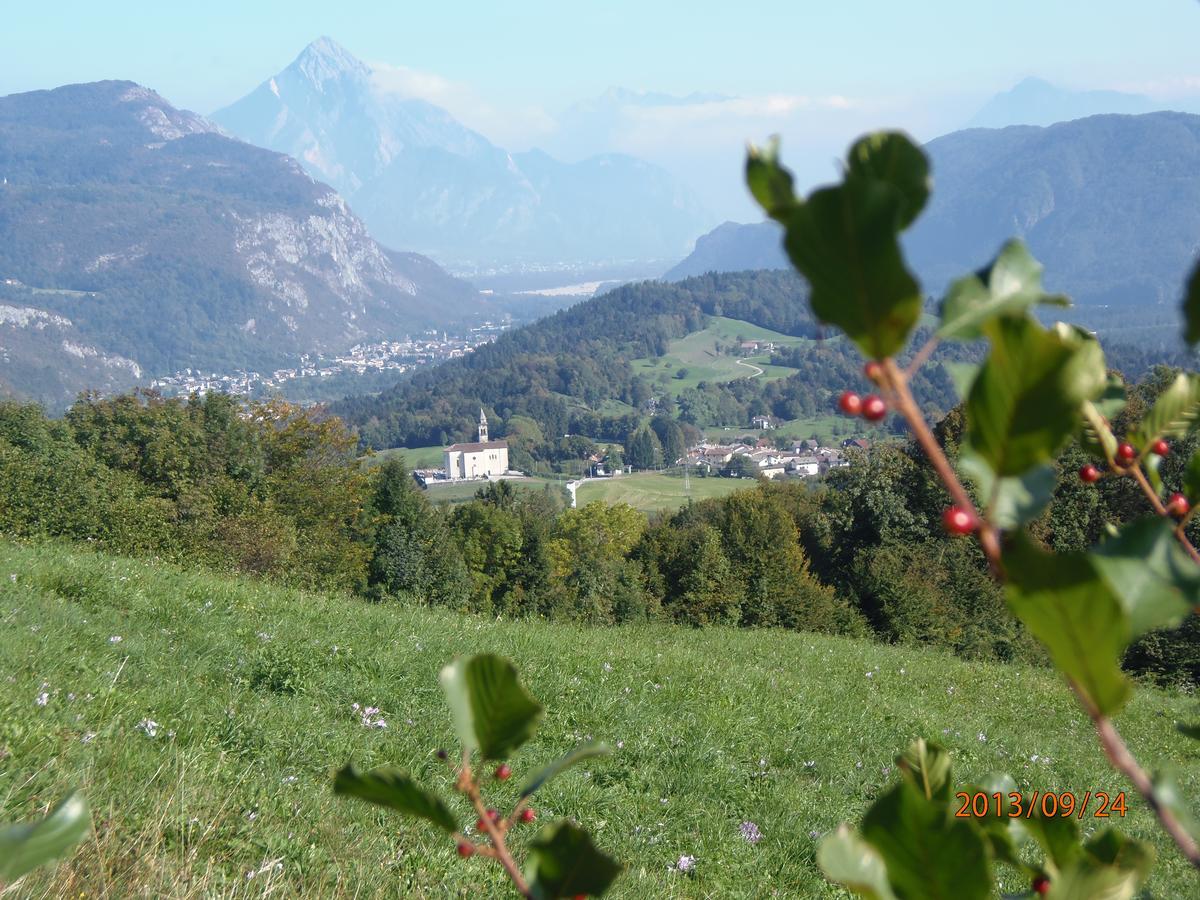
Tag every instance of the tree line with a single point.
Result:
(274, 490)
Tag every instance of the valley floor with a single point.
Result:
(203, 717)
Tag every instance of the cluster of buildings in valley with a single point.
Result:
(803, 459)
(396, 357)
(488, 459)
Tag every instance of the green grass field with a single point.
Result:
(414, 457)
(697, 354)
(463, 491)
(652, 492)
(251, 687)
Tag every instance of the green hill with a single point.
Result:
(203, 717)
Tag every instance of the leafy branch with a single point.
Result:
(494, 716)
(1038, 388)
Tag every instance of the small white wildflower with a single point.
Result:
(88, 738)
(149, 726)
(13, 578)
(607, 667)
(982, 738)
(289, 779)
(1034, 758)
(809, 763)
(115, 639)
(263, 636)
(686, 864)
(662, 800)
(750, 832)
(620, 745)
(870, 674)
(42, 699)
(950, 690)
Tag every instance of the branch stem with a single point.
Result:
(897, 382)
(1121, 759)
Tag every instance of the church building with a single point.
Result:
(477, 460)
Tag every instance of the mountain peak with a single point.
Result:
(325, 60)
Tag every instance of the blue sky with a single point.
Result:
(511, 68)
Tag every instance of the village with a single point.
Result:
(393, 357)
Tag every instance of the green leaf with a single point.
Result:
(579, 754)
(848, 860)
(1058, 836)
(1096, 436)
(1013, 501)
(927, 767)
(1191, 477)
(1067, 606)
(928, 853)
(1167, 793)
(1173, 414)
(893, 157)
(1026, 401)
(395, 790)
(1009, 286)
(844, 238)
(1112, 867)
(962, 375)
(1191, 307)
(492, 712)
(1150, 574)
(769, 182)
(1004, 833)
(563, 862)
(25, 846)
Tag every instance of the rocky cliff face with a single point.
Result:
(423, 180)
(162, 240)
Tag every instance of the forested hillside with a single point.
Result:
(575, 372)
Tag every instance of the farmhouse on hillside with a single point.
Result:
(481, 459)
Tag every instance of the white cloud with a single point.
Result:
(513, 128)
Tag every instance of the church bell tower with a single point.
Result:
(483, 434)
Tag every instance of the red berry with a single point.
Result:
(850, 403)
(1089, 474)
(528, 815)
(873, 408)
(580, 897)
(480, 825)
(1177, 505)
(873, 371)
(1161, 448)
(1041, 885)
(1126, 453)
(494, 815)
(957, 520)
(466, 849)
(504, 771)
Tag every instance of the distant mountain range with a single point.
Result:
(1110, 204)
(137, 239)
(422, 180)
(1035, 101)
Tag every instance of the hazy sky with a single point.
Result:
(818, 72)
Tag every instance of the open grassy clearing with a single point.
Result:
(653, 492)
(463, 491)
(697, 354)
(251, 686)
(414, 457)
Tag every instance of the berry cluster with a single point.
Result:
(871, 407)
(1177, 504)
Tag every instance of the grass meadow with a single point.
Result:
(655, 492)
(203, 716)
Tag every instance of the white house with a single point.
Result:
(480, 459)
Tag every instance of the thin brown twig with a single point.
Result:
(1144, 483)
(468, 785)
(897, 382)
(1121, 759)
(921, 356)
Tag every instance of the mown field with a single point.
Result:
(250, 691)
(697, 354)
(652, 492)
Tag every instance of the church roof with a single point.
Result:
(477, 446)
